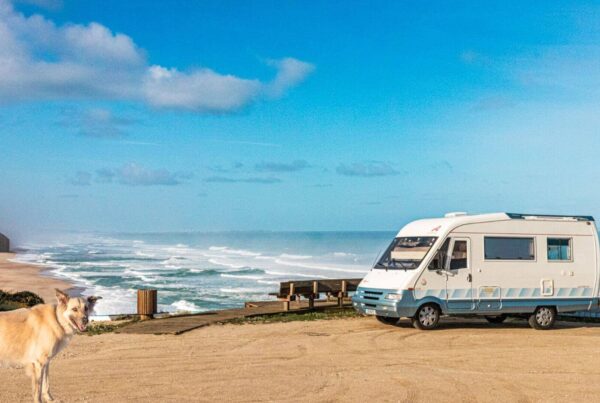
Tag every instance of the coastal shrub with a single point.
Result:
(22, 299)
(97, 328)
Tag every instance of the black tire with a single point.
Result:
(496, 320)
(388, 320)
(543, 318)
(427, 317)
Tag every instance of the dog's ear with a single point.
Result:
(92, 300)
(61, 297)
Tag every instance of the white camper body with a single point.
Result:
(491, 264)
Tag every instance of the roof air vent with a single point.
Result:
(455, 214)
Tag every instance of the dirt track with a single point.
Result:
(338, 360)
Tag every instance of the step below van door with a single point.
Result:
(459, 278)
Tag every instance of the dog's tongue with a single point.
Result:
(81, 327)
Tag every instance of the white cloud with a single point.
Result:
(200, 90)
(42, 61)
(95, 42)
(132, 174)
(290, 72)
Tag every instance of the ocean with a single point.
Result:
(195, 272)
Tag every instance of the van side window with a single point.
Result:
(559, 249)
(440, 257)
(459, 256)
(508, 248)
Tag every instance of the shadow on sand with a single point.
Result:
(447, 323)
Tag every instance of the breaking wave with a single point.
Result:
(200, 271)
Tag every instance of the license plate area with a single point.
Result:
(370, 311)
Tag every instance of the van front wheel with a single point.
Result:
(427, 317)
(543, 318)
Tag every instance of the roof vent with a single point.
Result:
(455, 214)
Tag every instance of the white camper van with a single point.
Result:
(493, 265)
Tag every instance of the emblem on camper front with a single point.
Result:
(436, 229)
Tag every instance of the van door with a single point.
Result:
(459, 292)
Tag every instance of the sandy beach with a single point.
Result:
(337, 360)
(352, 359)
(26, 277)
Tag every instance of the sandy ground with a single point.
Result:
(338, 360)
(24, 277)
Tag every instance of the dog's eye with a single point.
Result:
(75, 309)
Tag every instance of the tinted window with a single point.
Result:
(504, 248)
(559, 249)
(459, 256)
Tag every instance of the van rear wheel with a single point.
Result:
(387, 320)
(543, 318)
(427, 317)
(496, 319)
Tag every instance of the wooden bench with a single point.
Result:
(311, 289)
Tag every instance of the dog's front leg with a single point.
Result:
(45, 384)
(36, 381)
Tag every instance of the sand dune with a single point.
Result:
(339, 360)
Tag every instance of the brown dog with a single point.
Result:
(32, 337)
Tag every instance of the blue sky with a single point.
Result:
(293, 115)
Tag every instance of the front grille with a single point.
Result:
(371, 295)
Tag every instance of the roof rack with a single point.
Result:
(519, 216)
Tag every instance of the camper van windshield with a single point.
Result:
(405, 253)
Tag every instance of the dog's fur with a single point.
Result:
(33, 336)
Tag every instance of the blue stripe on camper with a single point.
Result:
(497, 292)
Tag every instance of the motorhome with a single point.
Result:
(491, 265)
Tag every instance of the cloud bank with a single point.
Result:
(131, 174)
(40, 60)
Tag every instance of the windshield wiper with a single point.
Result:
(396, 264)
(404, 266)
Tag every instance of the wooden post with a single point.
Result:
(146, 303)
(342, 294)
(313, 295)
(286, 303)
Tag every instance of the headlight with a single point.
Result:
(394, 297)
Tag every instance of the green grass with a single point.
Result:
(97, 328)
(297, 317)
